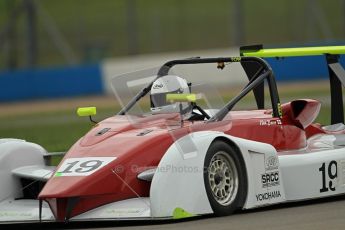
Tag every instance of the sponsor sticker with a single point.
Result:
(270, 179)
(236, 59)
(270, 122)
(268, 195)
(15, 214)
(271, 163)
(158, 86)
(124, 211)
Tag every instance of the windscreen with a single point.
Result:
(214, 86)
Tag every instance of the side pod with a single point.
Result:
(179, 184)
(14, 155)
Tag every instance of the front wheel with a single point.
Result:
(225, 178)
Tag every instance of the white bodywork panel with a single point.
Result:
(16, 158)
(125, 209)
(178, 181)
(309, 175)
(316, 171)
(15, 154)
(24, 211)
(34, 172)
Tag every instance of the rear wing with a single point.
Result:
(336, 71)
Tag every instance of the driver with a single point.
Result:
(169, 84)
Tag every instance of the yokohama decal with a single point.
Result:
(268, 195)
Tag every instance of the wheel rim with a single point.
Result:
(223, 178)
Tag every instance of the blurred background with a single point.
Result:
(57, 55)
(36, 33)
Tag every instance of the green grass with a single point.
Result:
(57, 131)
(54, 137)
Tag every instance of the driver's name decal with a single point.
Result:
(270, 122)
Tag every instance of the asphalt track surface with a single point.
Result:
(322, 214)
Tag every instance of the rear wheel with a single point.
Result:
(225, 178)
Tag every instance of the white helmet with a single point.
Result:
(165, 85)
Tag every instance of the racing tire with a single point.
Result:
(225, 178)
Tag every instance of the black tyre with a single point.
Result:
(225, 178)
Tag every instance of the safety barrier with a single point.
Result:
(94, 79)
(50, 83)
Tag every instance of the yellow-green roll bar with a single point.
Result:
(290, 52)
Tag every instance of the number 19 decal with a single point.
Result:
(328, 174)
(82, 166)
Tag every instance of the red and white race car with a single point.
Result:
(182, 159)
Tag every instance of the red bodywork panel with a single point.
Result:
(140, 143)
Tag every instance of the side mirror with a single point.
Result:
(183, 97)
(87, 111)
